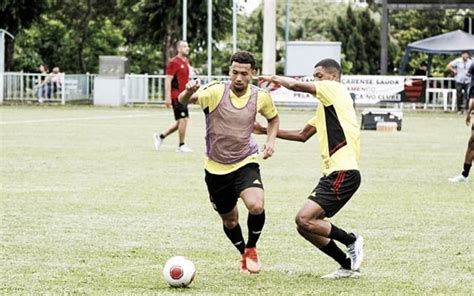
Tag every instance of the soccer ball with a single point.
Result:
(179, 271)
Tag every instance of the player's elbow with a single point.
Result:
(303, 137)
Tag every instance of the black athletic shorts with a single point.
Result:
(335, 190)
(180, 110)
(224, 190)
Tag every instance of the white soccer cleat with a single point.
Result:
(341, 273)
(184, 149)
(458, 179)
(158, 141)
(356, 252)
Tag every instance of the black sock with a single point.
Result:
(236, 237)
(255, 225)
(333, 251)
(467, 168)
(341, 236)
(181, 144)
(162, 136)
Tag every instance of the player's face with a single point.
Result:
(465, 56)
(321, 73)
(183, 48)
(240, 76)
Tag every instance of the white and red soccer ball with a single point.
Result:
(179, 271)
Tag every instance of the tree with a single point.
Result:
(407, 26)
(358, 34)
(16, 15)
(161, 24)
(91, 23)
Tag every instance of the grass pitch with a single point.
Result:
(89, 207)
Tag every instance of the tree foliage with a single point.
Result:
(73, 34)
(15, 16)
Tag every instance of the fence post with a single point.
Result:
(1, 88)
(63, 89)
(147, 95)
(87, 85)
(22, 89)
(127, 88)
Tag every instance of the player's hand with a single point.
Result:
(258, 129)
(266, 78)
(193, 85)
(168, 102)
(267, 151)
(468, 118)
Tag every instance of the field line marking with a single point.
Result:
(74, 119)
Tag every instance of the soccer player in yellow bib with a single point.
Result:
(231, 167)
(339, 139)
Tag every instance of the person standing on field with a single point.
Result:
(177, 75)
(469, 156)
(459, 68)
(231, 167)
(339, 140)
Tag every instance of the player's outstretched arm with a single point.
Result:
(188, 95)
(301, 135)
(291, 83)
(272, 130)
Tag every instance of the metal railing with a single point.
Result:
(149, 89)
(139, 88)
(19, 86)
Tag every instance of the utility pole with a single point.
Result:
(185, 19)
(209, 40)
(2, 59)
(384, 39)
(287, 32)
(269, 37)
(234, 26)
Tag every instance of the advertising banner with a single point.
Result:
(364, 89)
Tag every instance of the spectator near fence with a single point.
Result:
(459, 68)
(50, 85)
(40, 88)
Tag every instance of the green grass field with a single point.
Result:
(89, 207)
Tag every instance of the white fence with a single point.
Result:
(149, 89)
(19, 86)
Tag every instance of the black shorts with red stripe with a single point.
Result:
(335, 190)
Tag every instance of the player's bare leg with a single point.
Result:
(182, 124)
(319, 232)
(158, 138)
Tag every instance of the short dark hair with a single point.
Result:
(466, 51)
(243, 57)
(329, 64)
(178, 43)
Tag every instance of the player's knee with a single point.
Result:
(256, 208)
(230, 224)
(471, 143)
(301, 221)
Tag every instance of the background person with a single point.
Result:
(459, 68)
(40, 87)
(422, 70)
(177, 75)
(231, 168)
(469, 156)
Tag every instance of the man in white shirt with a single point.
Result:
(459, 68)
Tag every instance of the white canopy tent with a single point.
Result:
(448, 43)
